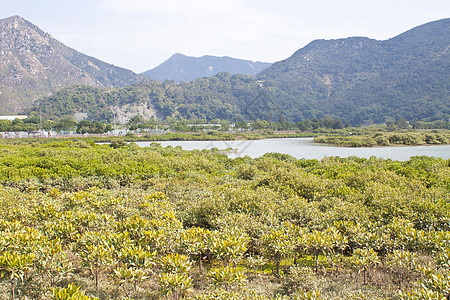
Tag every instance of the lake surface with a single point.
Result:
(306, 148)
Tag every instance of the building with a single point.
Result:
(10, 118)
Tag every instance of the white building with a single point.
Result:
(20, 117)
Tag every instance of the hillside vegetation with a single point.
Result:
(359, 80)
(363, 80)
(82, 220)
(218, 97)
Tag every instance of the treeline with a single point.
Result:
(34, 124)
(439, 124)
(224, 125)
(86, 221)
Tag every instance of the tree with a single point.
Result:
(323, 243)
(175, 279)
(259, 124)
(229, 245)
(226, 277)
(65, 124)
(304, 125)
(402, 123)
(277, 245)
(401, 262)
(52, 264)
(135, 122)
(364, 259)
(195, 243)
(92, 127)
(129, 278)
(135, 266)
(15, 268)
(96, 258)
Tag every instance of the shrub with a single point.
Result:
(382, 141)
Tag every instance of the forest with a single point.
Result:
(85, 221)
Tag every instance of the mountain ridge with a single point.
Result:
(182, 68)
(357, 79)
(368, 75)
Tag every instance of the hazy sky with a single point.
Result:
(140, 34)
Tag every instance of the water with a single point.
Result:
(306, 148)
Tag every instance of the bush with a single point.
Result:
(382, 141)
(131, 135)
(118, 144)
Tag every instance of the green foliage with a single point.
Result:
(378, 139)
(175, 278)
(307, 295)
(364, 259)
(175, 263)
(72, 292)
(163, 222)
(92, 127)
(221, 294)
(96, 258)
(14, 266)
(226, 277)
(434, 286)
(128, 278)
(118, 143)
(174, 283)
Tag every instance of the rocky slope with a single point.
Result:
(33, 64)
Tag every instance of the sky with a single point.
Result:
(141, 34)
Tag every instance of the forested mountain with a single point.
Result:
(220, 96)
(180, 67)
(359, 80)
(365, 80)
(33, 64)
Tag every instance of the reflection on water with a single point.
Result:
(306, 148)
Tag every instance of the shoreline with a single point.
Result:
(388, 139)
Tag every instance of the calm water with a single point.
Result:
(306, 148)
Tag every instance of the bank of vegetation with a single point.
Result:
(86, 221)
(408, 138)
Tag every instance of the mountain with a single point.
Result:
(33, 64)
(180, 67)
(357, 79)
(364, 80)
